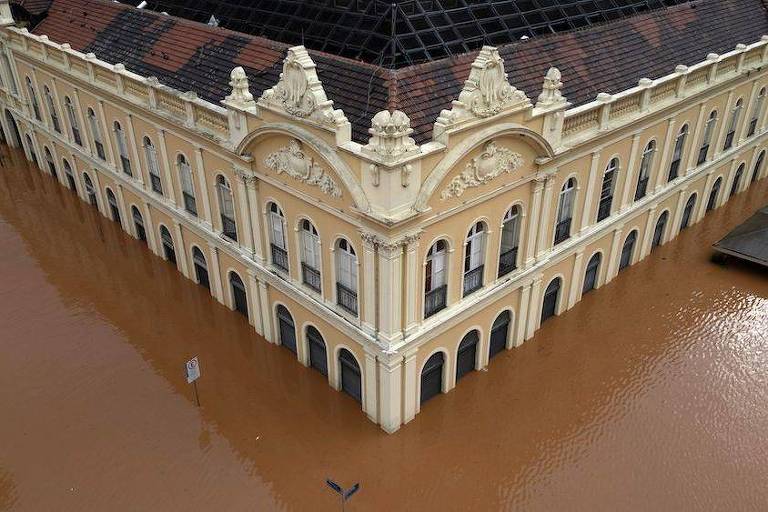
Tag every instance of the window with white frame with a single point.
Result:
(474, 258)
(226, 207)
(709, 129)
(346, 276)
(122, 149)
(435, 283)
(33, 99)
(735, 115)
(310, 255)
(677, 154)
(277, 241)
(564, 218)
(73, 124)
(757, 111)
(510, 241)
(98, 142)
(646, 162)
(153, 165)
(52, 109)
(187, 187)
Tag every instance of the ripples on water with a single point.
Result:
(649, 395)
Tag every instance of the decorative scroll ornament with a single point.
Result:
(550, 93)
(299, 91)
(486, 92)
(292, 161)
(494, 161)
(241, 95)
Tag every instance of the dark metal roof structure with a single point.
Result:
(749, 240)
(403, 32)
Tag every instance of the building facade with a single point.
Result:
(392, 267)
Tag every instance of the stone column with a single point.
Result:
(696, 141)
(533, 223)
(589, 198)
(202, 181)
(390, 385)
(543, 240)
(534, 308)
(411, 283)
(411, 377)
(170, 190)
(390, 290)
(181, 249)
(369, 293)
(664, 162)
(215, 273)
(577, 275)
(650, 228)
(613, 263)
(522, 314)
(632, 173)
(244, 232)
(369, 399)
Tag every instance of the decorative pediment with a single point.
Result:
(486, 92)
(292, 161)
(494, 161)
(299, 91)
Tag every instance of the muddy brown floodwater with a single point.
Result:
(650, 394)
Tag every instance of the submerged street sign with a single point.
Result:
(193, 370)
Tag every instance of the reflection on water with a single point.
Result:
(651, 394)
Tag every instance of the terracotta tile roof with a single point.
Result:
(34, 7)
(606, 58)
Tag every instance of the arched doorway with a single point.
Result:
(551, 296)
(737, 180)
(351, 382)
(432, 376)
(466, 355)
(31, 149)
(138, 223)
(90, 191)
(688, 212)
(287, 328)
(113, 208)
(658, 233)
(590, 275)
(627, 250)
(239, 296)
(201, 268)
(758, 166)
(499, 334)
(318, 358)
(50, 162)
(712, 202)
(15, 138)
(167, 241)
(70, 176)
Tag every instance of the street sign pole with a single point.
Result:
(343, 494)
(197, 396)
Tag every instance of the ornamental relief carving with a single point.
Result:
(291, 160)
(494, 161)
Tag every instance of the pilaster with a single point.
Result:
(544, 222)
(589, 197)
(632, 174)
(138, 172)
(534, 317)
(650, 229)
(266, 313)
(410, 397)
(390, 386)
(613, 262)
(170, 189)
(181, 249)
(369, 283)
(370, 405)
(577, 276)
(245, 231)
(696, 141)
(534, 224)
(412, 287)
(664, 163)
(202, 181)
(215, 273)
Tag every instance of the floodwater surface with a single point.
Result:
(650, 394)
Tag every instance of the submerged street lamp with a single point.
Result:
(343, 494)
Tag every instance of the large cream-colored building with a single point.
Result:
(398, 260)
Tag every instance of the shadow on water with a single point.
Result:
(649, 394)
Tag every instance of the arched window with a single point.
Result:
(346, 276)
(757, 111)
(606, 191)
(318, 355)
(95, 125)
(510, 241)
(167, 241)
(122, 149)
(113, 207)
(646, 162)
(90, 191)
(466, 355)
(31, 148)
(499, 334)
(286, 328)
(709, 129)
(153, 165)
(735, 115)
(50, 161)
(474, 258)
(187, 187)
(435, 283)
(73, 124)
(658, 233)
(33, 99)
(350, 375)
(712, 202)
(628, 250)
(201, 268)
(591, 274)
(677, 154)
(432, 377)
(551, 298)
(239, 295)
(52, 109)
(226, 207)
(138, 223)
(310, 255)
(737, 180)
(277, 241)
(688, 212)
(70, 176)
(565, 211)
(758, 166)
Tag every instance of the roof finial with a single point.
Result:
(240, 96)
(550, 93)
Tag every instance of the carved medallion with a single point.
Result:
(494, 161)
(292, 161)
